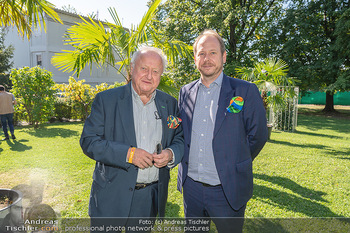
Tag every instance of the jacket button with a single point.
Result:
(186, 163)
(188, 145)
(131, 189)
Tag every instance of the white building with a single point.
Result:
(43, 45)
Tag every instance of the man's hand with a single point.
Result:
(142, 158)
(162, 159)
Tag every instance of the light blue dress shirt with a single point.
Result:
(201, 166)
(148, 131)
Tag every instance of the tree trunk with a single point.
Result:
(329, 103)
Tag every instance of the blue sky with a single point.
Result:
(129, 11)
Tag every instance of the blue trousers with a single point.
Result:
(209, 203)
(7, 119)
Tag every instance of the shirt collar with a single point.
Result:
(217, 81)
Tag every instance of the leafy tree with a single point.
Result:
(342, 45)
(240, 23)
(25, 14)
(6, 54)
(313, 38)
(94, 43)
(33, 88)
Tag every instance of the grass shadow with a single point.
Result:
(341, 112)
(346, 158)
(339, 153)
(17, 145)
(284, 225)
(291, 202)
(316, 134)
(262, 225)
(172, 210)
(316, 146)
(53, 132)
(315, 123)
(304, 200)
(293, 186)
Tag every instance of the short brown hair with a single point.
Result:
(209, 32)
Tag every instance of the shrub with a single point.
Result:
(33, 88)
(80, 96)
(63, 110)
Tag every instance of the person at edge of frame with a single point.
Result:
(7, 101)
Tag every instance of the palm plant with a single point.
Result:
(25, 14)
(114, 45)
(269, 75)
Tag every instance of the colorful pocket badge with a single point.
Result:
(173, 122)
(236, 105)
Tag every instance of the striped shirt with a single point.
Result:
(201, 158)
(148, 131)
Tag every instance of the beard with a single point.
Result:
(209, 70)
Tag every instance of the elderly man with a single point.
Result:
(7, 100)
(224, 130)
(124, 134)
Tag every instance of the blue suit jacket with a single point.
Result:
(238, 137)
(107, 135)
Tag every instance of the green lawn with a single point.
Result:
(301, 174)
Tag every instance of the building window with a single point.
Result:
(38, 60)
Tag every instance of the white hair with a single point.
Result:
(144, 49)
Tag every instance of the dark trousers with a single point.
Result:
(143, 210)
(7, 119)
(209, 203)
(144, 206)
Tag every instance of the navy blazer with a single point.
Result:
(238, 137)
(107, 135)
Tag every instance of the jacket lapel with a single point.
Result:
(162, 106)
(125, 110)
(226, 93)
(192, 95)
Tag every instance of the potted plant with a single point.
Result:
(269, 75)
